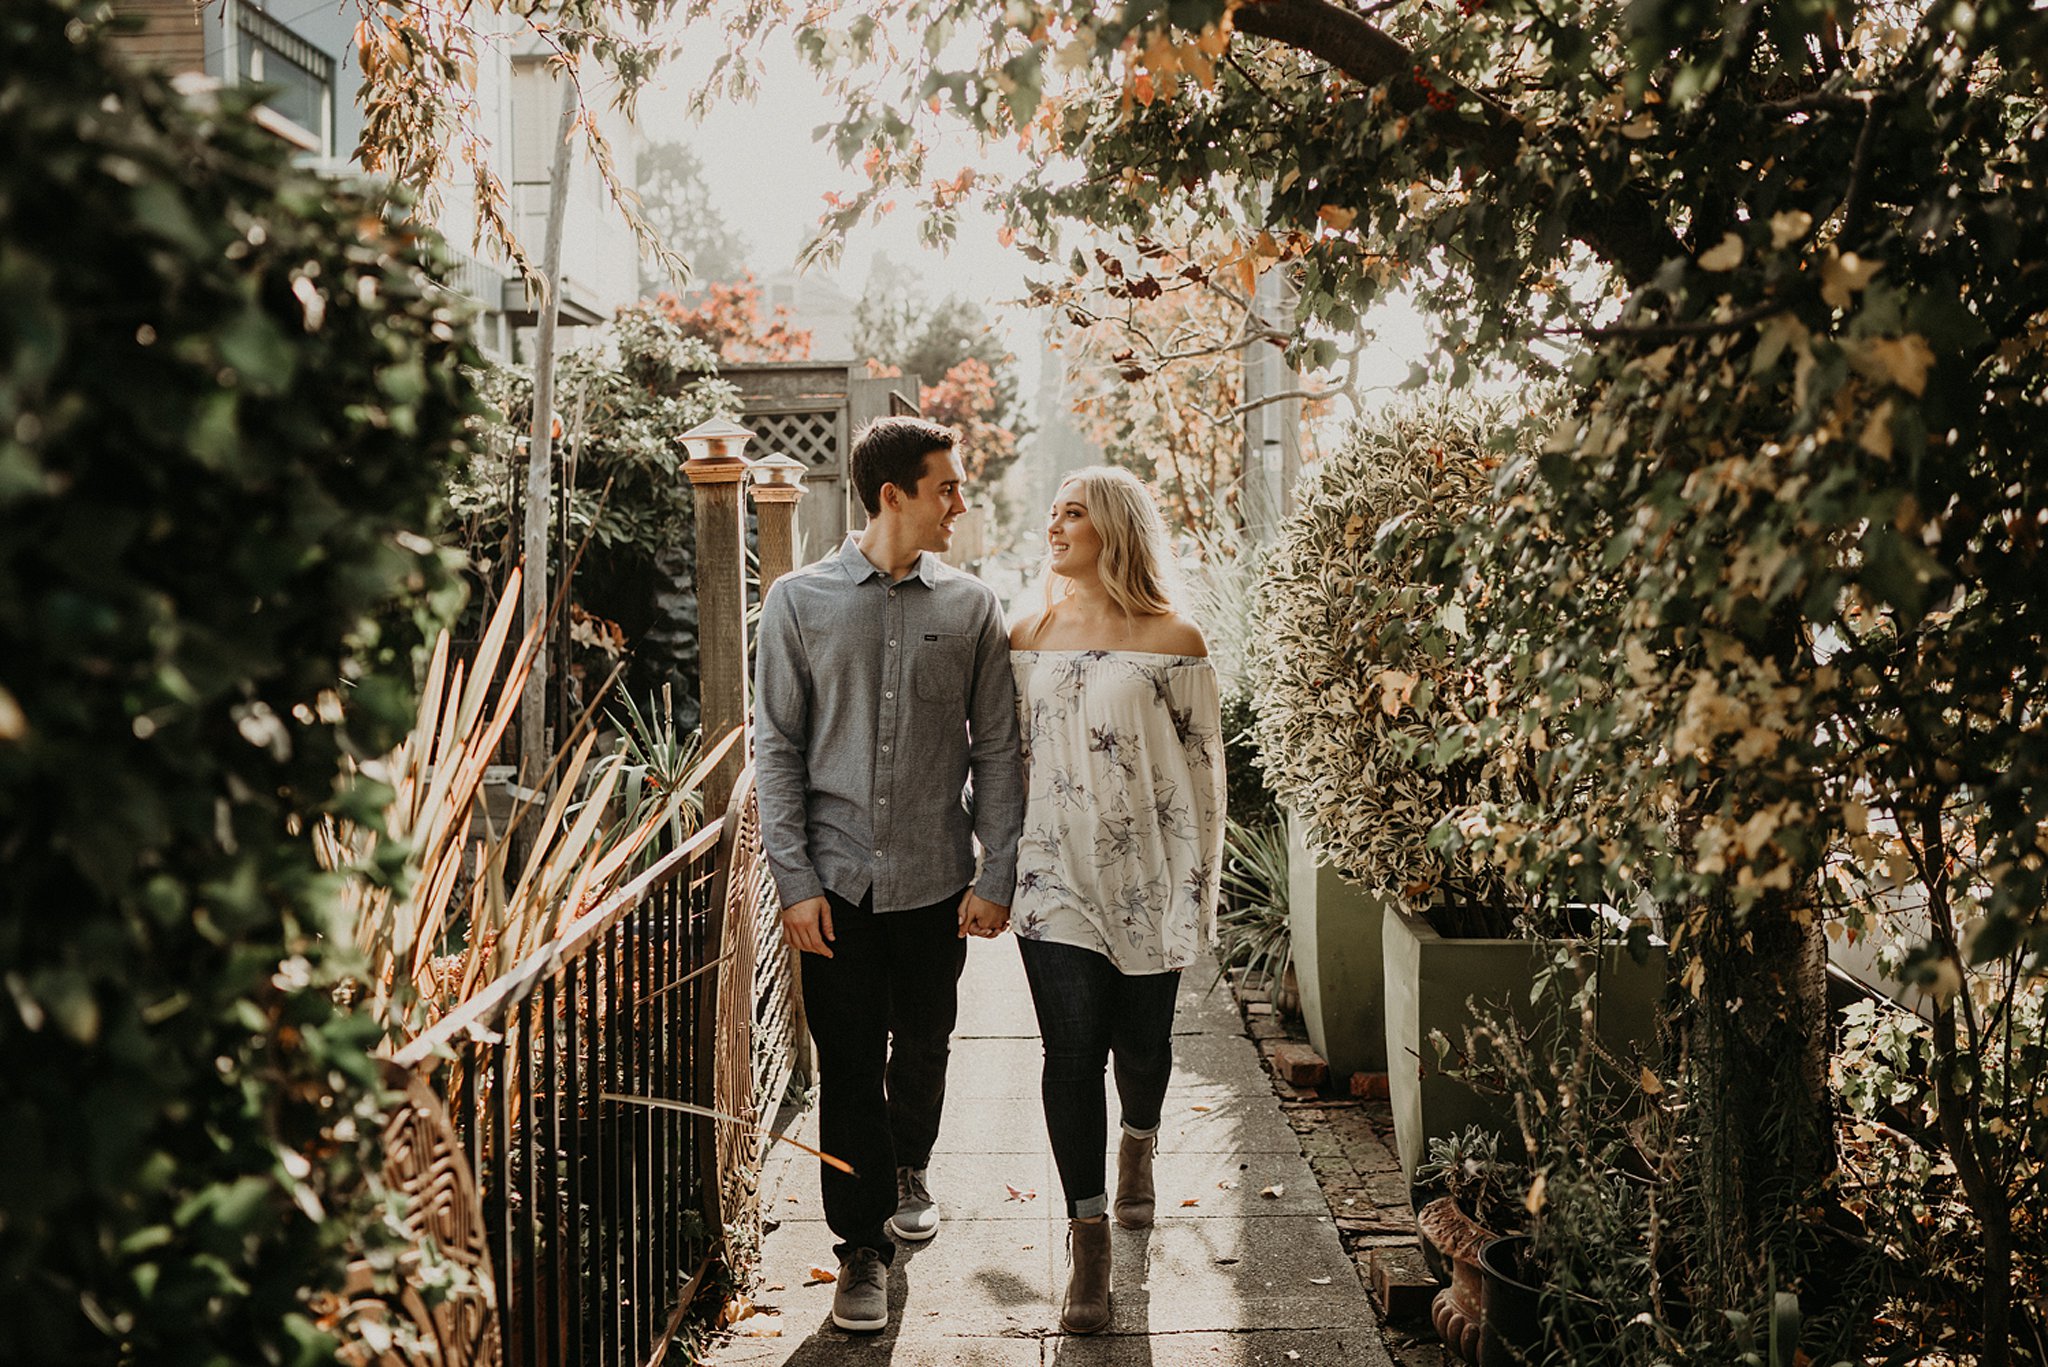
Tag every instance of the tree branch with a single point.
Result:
(1626, 230)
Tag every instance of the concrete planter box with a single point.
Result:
(1431, 983)
(1335, 925)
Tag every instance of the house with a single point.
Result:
(306, 54)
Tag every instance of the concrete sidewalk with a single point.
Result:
(1230, 1275)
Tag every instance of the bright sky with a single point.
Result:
(771, 178)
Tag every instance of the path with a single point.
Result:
(1234, 1279)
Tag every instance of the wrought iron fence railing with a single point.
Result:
(580, 1091)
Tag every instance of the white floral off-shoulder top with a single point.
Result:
(1123, 807)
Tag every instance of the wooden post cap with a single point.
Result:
(778, 478)
(716, 446)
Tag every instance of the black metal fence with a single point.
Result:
(567, 1081)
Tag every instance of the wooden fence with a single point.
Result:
(581, 1140)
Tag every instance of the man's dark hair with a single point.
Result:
(892, 451)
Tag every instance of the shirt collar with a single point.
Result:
(925, 569)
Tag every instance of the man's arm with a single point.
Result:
(995, 760)
(782, 730)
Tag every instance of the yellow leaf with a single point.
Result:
(1876, 436)
(1789, 227)
(1651, 1082)
(1190, 1201)
(1533, 1202)
(1724, 255)
(1843, 274)
(1903, 361)
(1336, 219)
(820, 1275)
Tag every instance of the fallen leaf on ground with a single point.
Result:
(820, 1275)
(1191, 1201)
(1318, 1281)
(1227, 1184)
(737, 1309)
(1018, 1195)
(1274, 1192)
(1198, 1108)
(1225, 1262)
(1027, 1247)
(1294, 1355)
(775, 1286)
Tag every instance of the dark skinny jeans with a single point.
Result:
(881, 1014)
(1089, 1013)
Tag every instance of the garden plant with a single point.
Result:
(231, 399)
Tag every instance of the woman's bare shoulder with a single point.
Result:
(1025, 630)
(1173, 634)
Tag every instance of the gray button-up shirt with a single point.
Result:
(873, 703)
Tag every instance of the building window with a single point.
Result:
(300, 75)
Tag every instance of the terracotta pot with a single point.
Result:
(1456, 1310)
(1287, 994)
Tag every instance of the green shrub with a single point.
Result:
(228, 404)
(1359, 651)
(624, 400)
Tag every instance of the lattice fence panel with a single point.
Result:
(812, 438)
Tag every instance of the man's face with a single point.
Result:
(929, 514)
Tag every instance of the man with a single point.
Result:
(882, 683)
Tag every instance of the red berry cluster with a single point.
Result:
(1468, 8)
(1438, 99)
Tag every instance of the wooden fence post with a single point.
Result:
(778, 485)
(716, 470)
(777, 488)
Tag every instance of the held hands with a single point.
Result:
(980, 917)
(807, 925)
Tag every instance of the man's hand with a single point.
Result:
(981, 917)
(807, 925)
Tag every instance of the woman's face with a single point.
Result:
(1071, 536)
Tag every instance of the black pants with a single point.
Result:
(881, 1013)
(1087, 1013)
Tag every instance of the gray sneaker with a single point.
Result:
(917, 1215)
(860, 1300)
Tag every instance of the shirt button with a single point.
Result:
(885, 802)
(885, 749)
(888, 695)
(878, 854)
(892, 593)
(892, 645)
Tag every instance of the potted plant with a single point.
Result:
(1483, 1199)
(1336, 733)
(1379, 729)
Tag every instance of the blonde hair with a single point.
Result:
(1135, 566)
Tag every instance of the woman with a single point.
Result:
(1122, 844)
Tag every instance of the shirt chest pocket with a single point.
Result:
(941, 667)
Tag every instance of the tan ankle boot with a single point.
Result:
(1087, 1307)
(1135, 1197)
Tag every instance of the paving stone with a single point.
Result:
(1268, 1348)
(1388, 1189)
(831, 1348)
(1297, 1064)
(981, 1278)
(1200, 1177)
(1236, 1279)
(1191, 1275)
(1402, 1285)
